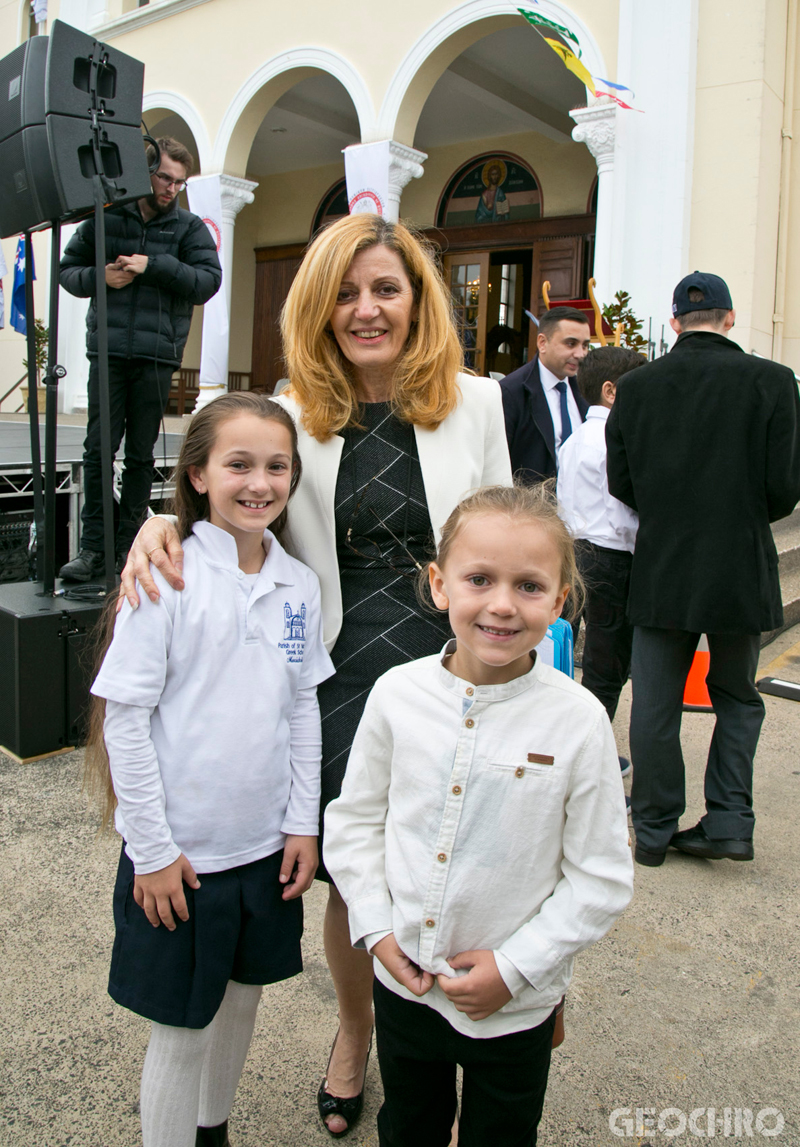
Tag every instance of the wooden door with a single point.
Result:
(276, 268)
(467, 276)
(560, 261)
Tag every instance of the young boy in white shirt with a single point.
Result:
(604, 529)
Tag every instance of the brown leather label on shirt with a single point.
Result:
(540, 759)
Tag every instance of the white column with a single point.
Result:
(597, 128)
(405, 164)
(653, 171)
(72, 393)
(236, 194)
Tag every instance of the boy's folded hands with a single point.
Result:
(479, 993)
(397, 964)
(482, 991)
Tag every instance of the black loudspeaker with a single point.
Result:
(70, 108)
(22, 83)
(77, 65)
(46, 671)
(88, 81)
(28, 191)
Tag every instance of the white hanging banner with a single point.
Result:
(366, 168)
(205, 200)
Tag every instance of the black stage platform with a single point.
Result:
(15, 444)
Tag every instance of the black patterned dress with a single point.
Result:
(381, 521)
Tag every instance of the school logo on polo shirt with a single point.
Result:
(294, 632)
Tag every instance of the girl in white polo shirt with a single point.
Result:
(481, 838)
(212, 733)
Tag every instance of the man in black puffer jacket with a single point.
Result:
(162, 262)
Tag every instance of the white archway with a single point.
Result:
(448, 27)
(178, 104)
(301, 62)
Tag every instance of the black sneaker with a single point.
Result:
(86, 566)
(121, 559)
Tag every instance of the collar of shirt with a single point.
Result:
(487, 693)
(601, 412)
(218, 548)
(549, 380)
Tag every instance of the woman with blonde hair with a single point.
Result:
(392, 435)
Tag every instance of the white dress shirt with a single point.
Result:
(482, 817)
(549, 384)
(213, 728)
(586, 505)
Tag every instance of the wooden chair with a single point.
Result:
(600, 330)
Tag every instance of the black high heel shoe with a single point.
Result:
(213, 1136)
(349, 1109)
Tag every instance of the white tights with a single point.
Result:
(190, 1075)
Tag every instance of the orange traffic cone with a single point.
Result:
(695, 693)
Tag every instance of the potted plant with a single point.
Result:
(41, 338)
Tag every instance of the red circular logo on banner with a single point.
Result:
(366, 201)
(216, 234)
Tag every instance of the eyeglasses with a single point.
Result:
(168, 181)
(387, 559)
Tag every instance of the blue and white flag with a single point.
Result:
(18, 316)
(39, 10)
(3, 273)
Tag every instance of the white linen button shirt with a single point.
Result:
(482, 817)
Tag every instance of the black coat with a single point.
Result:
(529, 425)
(150, 318)
(705, 444)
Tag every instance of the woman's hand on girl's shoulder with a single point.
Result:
(159, 893)
(157, 542)
(300, 860)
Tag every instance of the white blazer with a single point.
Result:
(466, 451)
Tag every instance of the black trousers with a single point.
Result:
(609, 634)
(138, 393)
(504, 1083)
(661, 662)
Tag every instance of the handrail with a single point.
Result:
(19, 382)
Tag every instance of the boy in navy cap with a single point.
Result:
(704, 444)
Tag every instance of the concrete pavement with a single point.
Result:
(690, 1003)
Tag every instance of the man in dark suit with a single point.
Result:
(704, 444)
(541, 400)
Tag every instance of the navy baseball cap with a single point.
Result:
(716, 295)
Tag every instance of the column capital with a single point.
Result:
(596, 126)
(405, 164)
(235, 194)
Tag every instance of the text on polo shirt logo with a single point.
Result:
(294, 632)
(540, 759)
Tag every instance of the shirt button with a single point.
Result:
(470, 691)
(430, 923)
(442, 857)
(239, 574)
(520, 772)
(469, 723)
(457, 790)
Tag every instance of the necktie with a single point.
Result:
(566, 425)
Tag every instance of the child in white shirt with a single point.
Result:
(213, 744)
(604, 527)
(480, 840)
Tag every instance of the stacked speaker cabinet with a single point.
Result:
(28, 191)
(88, 82)
(70, 108)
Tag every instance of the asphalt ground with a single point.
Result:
(690, 1003)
